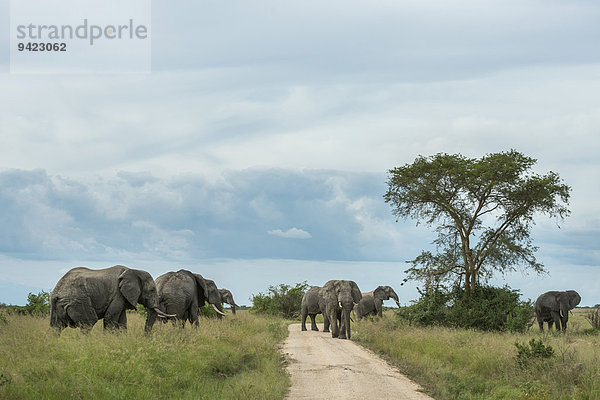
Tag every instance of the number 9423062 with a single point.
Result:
(42, 46)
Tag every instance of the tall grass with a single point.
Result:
(467, 364)
(233, 358)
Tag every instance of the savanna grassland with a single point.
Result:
(468, 364)
(234, 358)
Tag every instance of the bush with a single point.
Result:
(207, 311)
(430, 309)
(38, 304)
(534, 350)
(282, 300)
(489, 308)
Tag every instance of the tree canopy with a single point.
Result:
(483, 210)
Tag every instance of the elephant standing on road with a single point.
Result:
(554, 306)
(339, 298)
(227, 297)
(83, 296)
(372, 302)
(312, 304)
(182, 292)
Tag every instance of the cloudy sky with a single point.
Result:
(256, 151)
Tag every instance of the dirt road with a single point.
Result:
(326, 368)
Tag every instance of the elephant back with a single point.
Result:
(311, 300)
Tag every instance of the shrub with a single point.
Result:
(491, 309)
(488, 308)
(38, 304)
(207, 311)
(430, 309)
(283, 300)
(534, 350)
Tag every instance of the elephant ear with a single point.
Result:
(356, 294)
(329, 291)
(212, 293)
(130, 286)
(574, 298)
(202, 289)
(380, 294)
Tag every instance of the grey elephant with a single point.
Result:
(227, 297)
(181, 293)
(553, 307)
(339, 298)
(83, 296)
(312, 304)
(372, 302)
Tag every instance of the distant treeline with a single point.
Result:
(37, 304)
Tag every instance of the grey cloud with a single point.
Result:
(188, 217)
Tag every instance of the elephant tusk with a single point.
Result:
(162, 314)
(217, 310)
(561, 314)
(340, 304)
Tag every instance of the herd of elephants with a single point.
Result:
(83, 296)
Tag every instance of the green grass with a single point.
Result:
(466, 364)
(235, 358)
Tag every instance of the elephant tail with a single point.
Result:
(54, 322)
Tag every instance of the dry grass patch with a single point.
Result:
(236, 358)
(467, 364)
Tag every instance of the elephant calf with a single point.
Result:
(83, 296)
(372, 302)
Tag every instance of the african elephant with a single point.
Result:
(372, 302)
(83, 296)
(553, 307)
(312, 304)
(227, 297)
(339, 298)
(182, 292)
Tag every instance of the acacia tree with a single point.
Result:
(483, 210)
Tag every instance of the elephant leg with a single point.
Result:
(379, 308)
(304, 315)
(563, 323)
(83, 315)
(326, 323)
(115, 320)
(194, 316)
(123, 320)
(313, 322)
(335, 325)
(541, 324)
(556, 319)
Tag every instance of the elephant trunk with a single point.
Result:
(150, 319)
(346, 317)
(395, 297)
(233, 306)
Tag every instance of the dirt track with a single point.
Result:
(323, 368)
